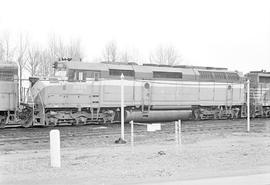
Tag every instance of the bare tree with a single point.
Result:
(21, 57)
(74, 50)
(34, 60)
(6, 51)
(52, 53)
(2, 52)
(125, 57)
(129, 55)
(110, 52)
(166, 55)
(45, 64)
(58, 48)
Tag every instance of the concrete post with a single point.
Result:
(179, 132)
(176, 132)
(55, 148)
(132, 136)
(122, 108)
(248, 106)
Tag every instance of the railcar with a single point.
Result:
(82, 93)
(259, 93)
(8, 93)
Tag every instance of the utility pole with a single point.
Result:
(248, 106)
(121, 140)
(122, 108)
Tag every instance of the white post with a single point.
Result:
(122, 108)
(176, 132)
(248, 106)
(179, 132)
(55, 148)
(132, 136)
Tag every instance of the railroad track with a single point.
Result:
(37, 136)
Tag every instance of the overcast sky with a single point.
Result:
(229, 33)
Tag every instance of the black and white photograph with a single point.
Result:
(134, 92)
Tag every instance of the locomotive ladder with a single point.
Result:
(229, 95)
(146, 98)
(95, 101)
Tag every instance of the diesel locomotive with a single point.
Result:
(9, 96)
(83, 93)
(259, 93)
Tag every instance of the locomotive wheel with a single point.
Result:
(2, 121)
(25, 117)
(28, 122)
(196, 115)
(51, 122)
(76, 122)
(80, 121)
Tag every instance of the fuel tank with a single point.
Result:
(158, 116)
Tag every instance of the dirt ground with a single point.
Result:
(201, 155)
